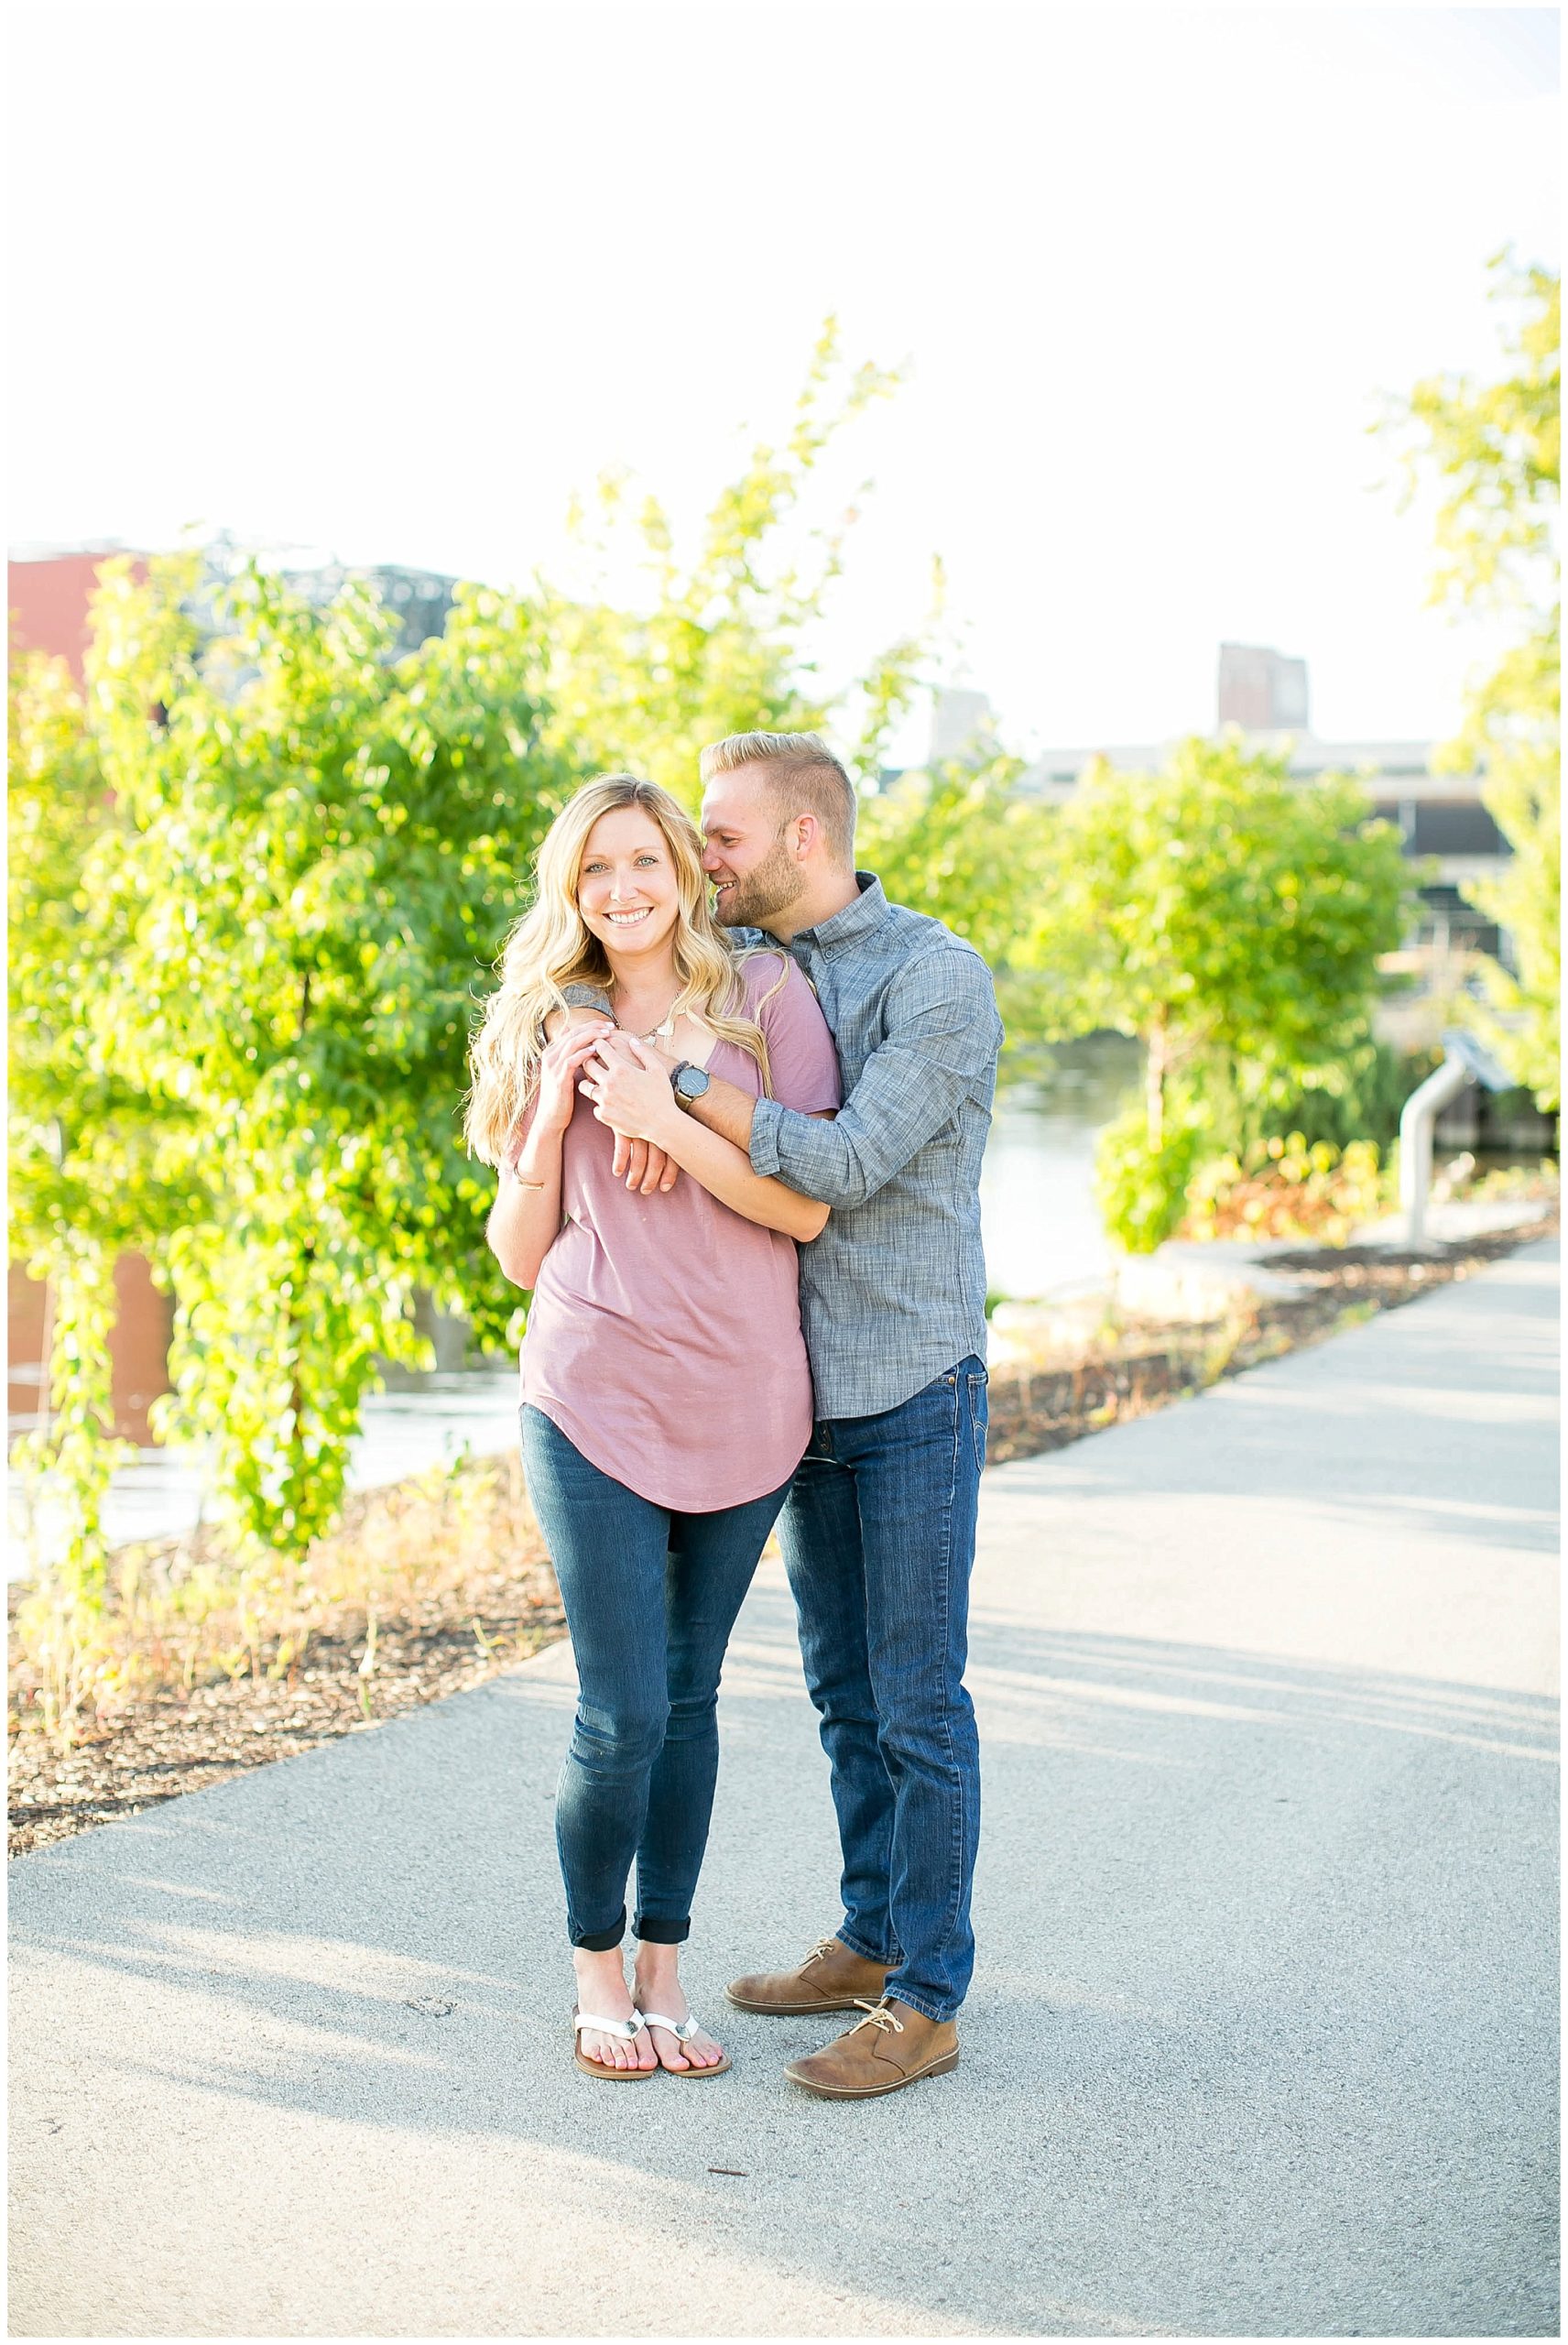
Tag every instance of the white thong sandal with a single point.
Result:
(684, 2030)
(627, 2029)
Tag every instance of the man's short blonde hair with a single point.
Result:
(804, 778)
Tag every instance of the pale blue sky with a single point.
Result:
(393, 281)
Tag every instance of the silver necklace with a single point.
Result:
(661, 1033)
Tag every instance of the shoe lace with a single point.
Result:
(876, 2015)
(823, 1947)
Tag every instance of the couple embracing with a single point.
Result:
(739, 1141)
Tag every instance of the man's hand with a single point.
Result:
(647, 1167)
(629, 1085)
(629, 1082)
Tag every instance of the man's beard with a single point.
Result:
(771, 888)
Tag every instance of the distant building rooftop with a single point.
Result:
(49, 588)
(1440, 814)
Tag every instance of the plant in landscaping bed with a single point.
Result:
(180, 1614)
(1285, 1188)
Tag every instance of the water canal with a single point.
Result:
(1041, 1226)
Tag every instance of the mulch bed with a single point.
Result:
(1032, 1412)
(154, 1749)
(157, 1748)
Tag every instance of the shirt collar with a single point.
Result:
(858, 918)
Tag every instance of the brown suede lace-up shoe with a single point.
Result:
(832, 1979)
(891, 2047)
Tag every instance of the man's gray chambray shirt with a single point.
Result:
(893, 1292)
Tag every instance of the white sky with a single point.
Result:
(393, 281)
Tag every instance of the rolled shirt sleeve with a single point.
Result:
(939, 1050)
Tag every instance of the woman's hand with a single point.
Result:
(629, 1085)
(558, 1074)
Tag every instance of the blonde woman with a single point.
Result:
(666, 1398)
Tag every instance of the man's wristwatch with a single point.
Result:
(689, 1082)
(581, 997)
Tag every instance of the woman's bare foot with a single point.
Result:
(602, 1990)
(658, 1984)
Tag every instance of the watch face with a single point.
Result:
(692, 1082)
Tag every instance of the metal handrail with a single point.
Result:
(1466, 1061)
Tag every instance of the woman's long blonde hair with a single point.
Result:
(551, 947)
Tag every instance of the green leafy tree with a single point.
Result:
(1494, 450)
(722, 642)
(93, 1169)
(1232, 920)
(956, 841)
(258, 880)
(87, 1179)
(313, 851)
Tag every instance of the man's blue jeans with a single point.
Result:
(879, 1536)
(650, 1599)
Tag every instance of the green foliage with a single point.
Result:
(1360, 1097)
(1287, 1187)
(76, 1441)
(721, 643)
(256, 882)
(1495, 451)
(274, 944)
(1141, 1184)
(1231, 919)
(1519, 713)
(182, 1612)
(958, 843)
(327, 845)
(86, 1180)
(85, 1154)
(71, 1459)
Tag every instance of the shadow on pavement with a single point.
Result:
(1260, 2040)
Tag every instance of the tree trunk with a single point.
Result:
(1155, 1065)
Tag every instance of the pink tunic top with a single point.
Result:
(664, 1336)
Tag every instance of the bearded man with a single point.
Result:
(879, 1530)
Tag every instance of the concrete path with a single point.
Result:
(1261, 2039)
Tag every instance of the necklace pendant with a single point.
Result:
(663, 1031)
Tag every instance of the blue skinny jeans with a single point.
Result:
(650, 1598)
